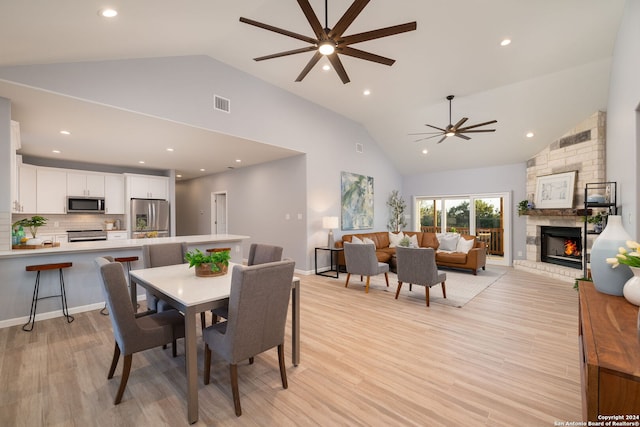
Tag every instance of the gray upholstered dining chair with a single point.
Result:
(133, 332)
(161, 255)
(258, 304)
(259, 253)
(361, 259)
(418, 266)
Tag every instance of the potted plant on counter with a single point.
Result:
(32, 223)
(215, 263)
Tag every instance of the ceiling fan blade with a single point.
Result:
(313, 61)
(459, 135)
(478, 130)
(288, 52)
(426, 133)
(337, 65)
(376, 34)
(349, 16)
(427, 137)
(361, 54)
(442, 139)
(460, 123)
(436, 127)
(279, 30)
(478, 125)
(312, 18)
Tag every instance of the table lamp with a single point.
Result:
(330, 222)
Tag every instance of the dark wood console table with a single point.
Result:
(609, 355)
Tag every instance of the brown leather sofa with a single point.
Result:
(473, 260)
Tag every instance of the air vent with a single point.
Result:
(359, 147)
(221, 104)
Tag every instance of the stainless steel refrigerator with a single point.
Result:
(149, 218)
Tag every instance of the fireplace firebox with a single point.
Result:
(561, 246)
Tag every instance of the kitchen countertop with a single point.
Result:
(102, 245)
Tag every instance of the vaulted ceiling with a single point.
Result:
(554, 73)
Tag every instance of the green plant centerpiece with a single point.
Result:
(32, 223)
(214, 263)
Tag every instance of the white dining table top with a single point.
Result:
(181, 283)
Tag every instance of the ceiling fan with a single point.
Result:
(330, 42)
(454, 130)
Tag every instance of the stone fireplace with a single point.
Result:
(581, 150)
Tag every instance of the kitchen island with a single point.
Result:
(82, 282)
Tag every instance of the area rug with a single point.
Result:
(461, 286)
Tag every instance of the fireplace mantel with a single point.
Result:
(553, 212)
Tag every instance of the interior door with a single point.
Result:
(219, 213)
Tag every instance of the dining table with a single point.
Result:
(191, 294)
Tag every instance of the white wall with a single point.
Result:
(623, 127)
(182, 88)
(5, 174)
(496, 179)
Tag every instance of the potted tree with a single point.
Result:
(32, 223)
(216, 263)
(397, 205)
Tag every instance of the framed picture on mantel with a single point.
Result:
(555, 191)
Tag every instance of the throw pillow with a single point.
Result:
(464, 245)
(394, 239)
(449, 242)
(368, 241)
(355, 240)
(413, 241)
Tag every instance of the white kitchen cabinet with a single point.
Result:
(114, 194)
(148, 187)
(85, 185)
(54, 237)
(51, 191)
(25, 200)
(117, 235)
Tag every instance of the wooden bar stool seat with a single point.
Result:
(28, 327)
(128, 260)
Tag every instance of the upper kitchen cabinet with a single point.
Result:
(85, 185)
(147, 187)
(25, 190)
(51, 191)
(114, 194)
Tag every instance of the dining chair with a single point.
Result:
(161, 255)
(418, 266)
(133, 332)
(259, 253)
(361, 259)
(258, 304)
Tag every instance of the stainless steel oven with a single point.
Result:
(86, 235)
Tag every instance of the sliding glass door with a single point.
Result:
(481, 215)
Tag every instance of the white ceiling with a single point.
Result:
(553, 75)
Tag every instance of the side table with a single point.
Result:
(333, 262)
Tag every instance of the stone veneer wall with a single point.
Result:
(582, 149)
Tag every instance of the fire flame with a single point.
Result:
(571, 248)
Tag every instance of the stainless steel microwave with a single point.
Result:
(85, 204)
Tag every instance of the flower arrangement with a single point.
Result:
(630, 256)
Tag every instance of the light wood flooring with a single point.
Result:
(507, 358)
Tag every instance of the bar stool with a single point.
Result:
(128, 260)
(28, 327)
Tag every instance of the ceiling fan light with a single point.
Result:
(326, 48)
(450, 133)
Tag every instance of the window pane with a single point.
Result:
(457, 215)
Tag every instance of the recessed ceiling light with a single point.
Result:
(505, 42)
(141, 162)
(202, 170)
(238, 161)
(366, 92)
(326, 67)
(178, 176)
(169, 149)
(529, 135)
(56, 151)
(65, 132)
(425, 151)
(108, 13)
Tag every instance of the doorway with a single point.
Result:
(219, 212)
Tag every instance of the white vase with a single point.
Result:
(34, 241)
(631, 288)
(607, 279)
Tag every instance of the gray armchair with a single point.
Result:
(258, 305)
(418, 266)
(159, 256)
(133, 333)
(361, 259)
